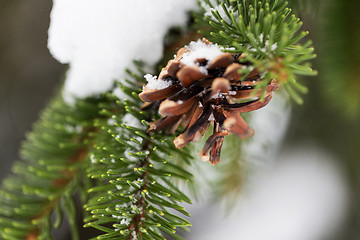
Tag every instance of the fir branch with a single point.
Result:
(45, 180)
(135, 196)
(267, 35)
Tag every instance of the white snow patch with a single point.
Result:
(219, 8)
(73, 129)
(261, 37)
(118, 92)
(304, 189)
(128, 155)
(100, 39)
(116, 216)
(140, 181)
(211, 117)
(274, 46)
(203, 70)
(200, 49)
(111, 121)
(125, 221)
(123, 205)
(264, 49)
(154, 83)
(134, 235)
(131, 121)
(92, 158)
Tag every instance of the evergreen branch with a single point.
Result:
(134, 198)
(45, 180)
(267, 35)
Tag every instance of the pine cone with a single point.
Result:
(202, 85)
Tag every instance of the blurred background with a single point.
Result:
(320, 152)
(29, 76)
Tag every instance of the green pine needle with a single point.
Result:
(134, 172)
(53, 156)
(267, 34)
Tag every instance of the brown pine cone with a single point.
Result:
(202, 85)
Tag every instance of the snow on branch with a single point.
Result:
(100, 39)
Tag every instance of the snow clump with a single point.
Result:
(200, 49)
(154, 83)
(100, 39)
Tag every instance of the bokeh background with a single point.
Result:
(29, 76)
(322, 140)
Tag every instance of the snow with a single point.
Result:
(100, 39)
(264, 49)
(211, 117)
(132, 121)
(134, 235)
(220, 10)
(111, 121)
(154, 83)
(203, 70)
(274, 46)
(200, 49)
(73, 129)
(302, 196)
(118, 217)
(261, 37)
(92, 158)
(284, 193)
(125, 221)
(120, 94)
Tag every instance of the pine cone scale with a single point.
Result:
(164, 123)
(221, 61)
(220, 85)
(153, 95)
(186, 93)
(232, 72)
(210, 143)
(193, 116)
(237, 125)
(188, 75)
(247, 106)
(172, 108)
